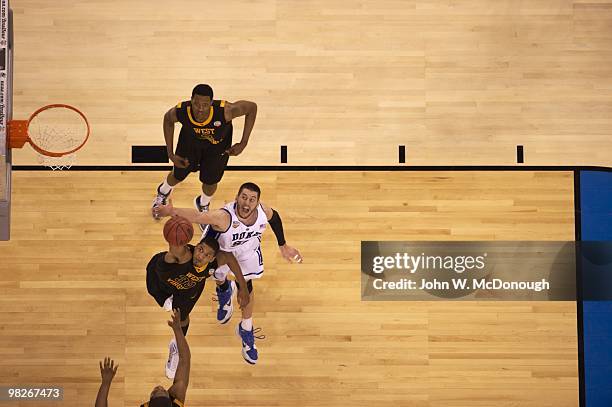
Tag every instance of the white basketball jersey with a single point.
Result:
(240, 238)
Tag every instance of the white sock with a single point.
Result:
(204, 199)
(247, 324)
(168, 303)
(165, 188)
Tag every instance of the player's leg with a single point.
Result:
(208, 190)
(171, 181)
(212, 167)
(247, 332)
(225, 292)
(247, 312)
(185, 303)
(173, 353)
(202, 201)
(252, 268)
(177, 175)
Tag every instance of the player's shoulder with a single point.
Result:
(227, 208)
(267, 210)
(223, 213)
(166, 260)
(221, 218)
(152, 265)
(159, 257)
(183, 105)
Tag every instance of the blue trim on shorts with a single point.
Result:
(253, 274)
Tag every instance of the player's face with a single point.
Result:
(203, 254)
(246, 202)
(159, 391)
(200, 105)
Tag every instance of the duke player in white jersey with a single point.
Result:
(238, 227)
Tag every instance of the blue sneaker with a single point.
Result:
(226, 306)
(249, 350)
(196, 203)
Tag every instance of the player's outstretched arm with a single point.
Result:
(107, 371)
(217, 218)
(289, 253)
(249, 111)
(178, 390)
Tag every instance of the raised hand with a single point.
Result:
(108, 370)
(175, 322)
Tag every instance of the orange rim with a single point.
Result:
(50, 153)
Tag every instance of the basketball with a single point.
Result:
(178, 231)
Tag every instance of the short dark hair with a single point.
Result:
(251, 187)
(203, 90)
(162, 401)
(211, 242)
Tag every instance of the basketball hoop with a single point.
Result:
(57, 163)
(56, 132)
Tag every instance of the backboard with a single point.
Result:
(6, 85)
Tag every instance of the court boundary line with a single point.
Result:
(579, 297)
(572, 168)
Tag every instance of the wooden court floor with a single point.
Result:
(73, 291)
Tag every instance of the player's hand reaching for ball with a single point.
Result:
(179, 161)
(161, 211)
(290, 254)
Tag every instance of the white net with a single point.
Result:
(57, 163)
(58, 130)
